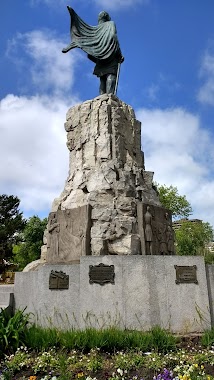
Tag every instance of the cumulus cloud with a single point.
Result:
(180, 153)
(206, 92)
(39, 54)
(33, 155)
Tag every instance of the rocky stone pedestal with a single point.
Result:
(109, 205)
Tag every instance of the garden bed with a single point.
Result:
(29, 352)
(191, 362)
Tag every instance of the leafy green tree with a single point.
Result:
(191, 238)
(11, 224)
(177, 204)
(32, 239)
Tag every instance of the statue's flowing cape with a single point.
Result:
(98, 41)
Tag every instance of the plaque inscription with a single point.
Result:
(186, 274)
(101, 274)
(58, 280)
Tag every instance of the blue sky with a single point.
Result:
(167, 77)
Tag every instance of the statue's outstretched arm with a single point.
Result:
(72, 45)
(67, 48)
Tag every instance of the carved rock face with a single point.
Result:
(68, 235)
(106, 172)
(155, 227)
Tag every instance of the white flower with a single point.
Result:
(120, 371)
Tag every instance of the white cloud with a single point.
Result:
(49, 68)
(180, 153)
(206, 92)
(33, 154)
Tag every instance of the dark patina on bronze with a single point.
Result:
(186, 274)
(101, 274)
(58, 280)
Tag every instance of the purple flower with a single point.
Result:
(165, 375)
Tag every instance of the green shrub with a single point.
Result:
(15, 332)
(40, 338)
(108, 340)
(163, 341)
(12, 330)
(209, 257)
(207, 339)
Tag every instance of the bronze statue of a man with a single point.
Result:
(101, 45)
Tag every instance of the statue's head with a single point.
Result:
(103, 17)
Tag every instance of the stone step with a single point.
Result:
(7, 297)
(6, 288)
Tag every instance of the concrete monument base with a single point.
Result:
(138, 292)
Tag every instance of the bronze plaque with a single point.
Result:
(101, 274)
(186, 274)
(58, 280)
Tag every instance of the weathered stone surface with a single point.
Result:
(106, 172)
(34, 265)
(68, 235)
(155, 226)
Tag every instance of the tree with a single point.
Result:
(32, 239)
(11, 224)
(177, 204)
(191, 238)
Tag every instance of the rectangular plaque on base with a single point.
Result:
(186, 274)
(58, 280)
(101, 274)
